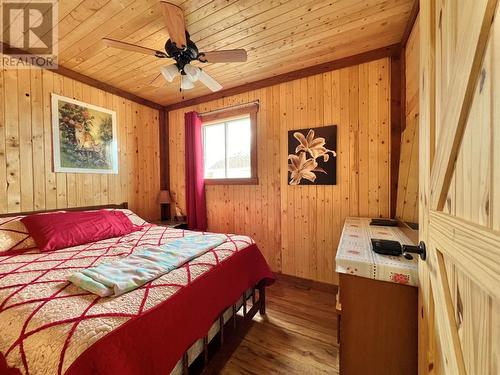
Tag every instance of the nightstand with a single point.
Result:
(172, 224)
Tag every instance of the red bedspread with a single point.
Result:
(143, 332)
(154, 343)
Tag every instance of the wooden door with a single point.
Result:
(459, 309)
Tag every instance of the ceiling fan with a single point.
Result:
(184, 51)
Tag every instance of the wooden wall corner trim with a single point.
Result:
(397, 115)
(411, 21)
(96, 83)
(344, 62)
(407, 201)
(164, 159)
(164, 172)
(104, 86)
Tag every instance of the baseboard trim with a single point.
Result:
(302, 283)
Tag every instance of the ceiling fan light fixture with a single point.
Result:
(186, 83)
(170, 72)
(180, 48)
(192, 72)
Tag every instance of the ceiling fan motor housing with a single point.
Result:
(180, 55)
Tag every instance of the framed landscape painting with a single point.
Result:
(84, 137)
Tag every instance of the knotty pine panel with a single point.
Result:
(298, 227)
(26, 163)
(407, 200)
(280, 36)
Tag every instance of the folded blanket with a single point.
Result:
(145, 264)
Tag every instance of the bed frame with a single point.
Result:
(123, 205)
(230, 334)
(227, 337)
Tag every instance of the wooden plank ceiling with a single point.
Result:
(280, 36)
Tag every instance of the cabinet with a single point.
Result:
(378, 327)
(378, 304)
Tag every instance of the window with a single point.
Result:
(229, 146)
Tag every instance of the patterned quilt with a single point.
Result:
(46, 322)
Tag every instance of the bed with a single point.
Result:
(50, 326)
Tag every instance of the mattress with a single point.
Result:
(48, 323)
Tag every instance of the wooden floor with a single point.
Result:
(297, 335)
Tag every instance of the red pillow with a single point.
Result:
(58, 230)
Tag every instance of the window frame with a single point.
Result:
(225, 115)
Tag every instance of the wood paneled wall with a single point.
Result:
(407, 201)
(298, 227)
(27, 180)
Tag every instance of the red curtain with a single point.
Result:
(195, 182)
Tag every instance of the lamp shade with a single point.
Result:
(192, 72)
(170, 72)
(186, 83)
(164, 197)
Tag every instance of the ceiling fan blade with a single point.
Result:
(159, 81)
(132, 47)
(230, 55)
(208, 81)
(174, 21)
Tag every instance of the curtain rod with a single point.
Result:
(230, 107)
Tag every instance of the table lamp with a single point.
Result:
(164, 199)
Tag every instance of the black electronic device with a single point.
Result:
(384, 222)
(386, 247)
(394, 248)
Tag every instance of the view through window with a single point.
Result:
(227, 149)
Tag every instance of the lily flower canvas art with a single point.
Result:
(312, 156)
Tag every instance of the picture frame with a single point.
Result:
(84, 137)
(312, 156)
